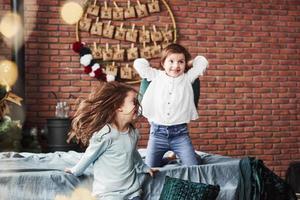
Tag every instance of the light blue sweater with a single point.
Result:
(116, 164)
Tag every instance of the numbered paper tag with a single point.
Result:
(132, 53)
(135, 75)
(153, 7)
(97, 28)
(145, 52)
(111, 70)
(97, 53)
(129, 12)
(155, 51)
(167, 35)
(131, 35)
(118, 54)
(108, 31)
(126, 72)
(93, 10)
(85, 24)
(144, 36)
(118, 14)
(156, 36)
(141, 10)
(106, 13)
(120, 33)
(107, 54)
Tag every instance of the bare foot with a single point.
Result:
(171, 156)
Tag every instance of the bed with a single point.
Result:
(40, 176)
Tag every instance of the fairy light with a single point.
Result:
(9, 73)
(10, 25)
(71, 12)
(78, 193)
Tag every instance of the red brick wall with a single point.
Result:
(249, 102)
(5, 51)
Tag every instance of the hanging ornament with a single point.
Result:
(71, 12)
(10, 25)
(90, 65)
(9, 73)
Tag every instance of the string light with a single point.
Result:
(9, 73)
(78, 193)
(10, 25)
(71, 12)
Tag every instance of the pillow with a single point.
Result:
(177, 189)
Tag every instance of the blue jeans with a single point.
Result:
(175, 138)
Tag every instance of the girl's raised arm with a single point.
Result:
(142, 66)
(199, 66)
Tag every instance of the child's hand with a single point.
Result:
(153, 171)
(67, 170)
(201, 63)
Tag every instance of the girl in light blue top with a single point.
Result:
(104, 122)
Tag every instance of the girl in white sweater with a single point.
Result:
(168, 103)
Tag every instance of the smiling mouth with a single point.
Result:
(175, 72)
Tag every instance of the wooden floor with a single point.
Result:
(298, 196)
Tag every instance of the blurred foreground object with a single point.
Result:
(10, 131)
(71, 12)
(10, 135)
(10, 25)
(9, 73)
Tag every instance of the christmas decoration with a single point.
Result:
(118, 25)
(10, 131)
(90, 65)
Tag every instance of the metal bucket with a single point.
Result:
(57, 134)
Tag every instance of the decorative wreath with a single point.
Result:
(91, 67)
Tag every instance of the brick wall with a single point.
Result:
(249, 102)
(5, 51)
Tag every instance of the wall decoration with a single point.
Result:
(141, 10)
(118, 13)
(106, 12)
(85, 23)
(132, 34)
(129, 12)
(144, 35)
(97, 52)
(153, 7)
(118, 33)
(93, 9)
(97, 28)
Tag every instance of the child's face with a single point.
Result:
(174, 64)
(129, 109)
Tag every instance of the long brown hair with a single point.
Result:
(175, 48)
(98, 110)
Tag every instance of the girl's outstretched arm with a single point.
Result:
(143, 68)
(141, 167)
(153, 171)
(139, 164)
(199, 65)
(97, 145)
